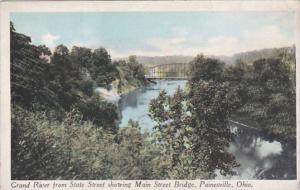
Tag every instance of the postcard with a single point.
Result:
(150, 95)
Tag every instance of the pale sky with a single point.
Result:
(160, 33)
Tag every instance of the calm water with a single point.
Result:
(134, 105)
(260, 156)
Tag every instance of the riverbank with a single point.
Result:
(123, 86)
(243, 121)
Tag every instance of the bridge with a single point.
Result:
(171, 71)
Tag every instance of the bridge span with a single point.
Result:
(170, 71)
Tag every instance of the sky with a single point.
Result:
(160, 33)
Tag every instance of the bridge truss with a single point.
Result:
(173, 71)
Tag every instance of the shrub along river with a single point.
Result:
(260, 156)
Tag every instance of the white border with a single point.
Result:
(93, 6)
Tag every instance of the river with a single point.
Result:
(260, 156)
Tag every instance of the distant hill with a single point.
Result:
(247, 57)
(251, 56)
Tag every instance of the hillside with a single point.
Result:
(251, 56)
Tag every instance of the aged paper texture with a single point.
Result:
(149, 95)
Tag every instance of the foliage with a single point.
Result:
(102, 70)
(32, 150)
(206, 69)
(28, 84)
(74, 149)
(64, 76)
(45, 150)
(271, 97)
(210, 106)
(103, 114)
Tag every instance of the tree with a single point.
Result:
(102, 70)
(172, 132)
(131, 74)
(206, 69)
(192, 129)
(210, 107)
(136, 69)
(64, 77)
(81, 56)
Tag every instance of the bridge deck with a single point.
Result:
(171, 78)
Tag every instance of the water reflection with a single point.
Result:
(261, 156)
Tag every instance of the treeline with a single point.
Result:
(56, 111)
(262, 93)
